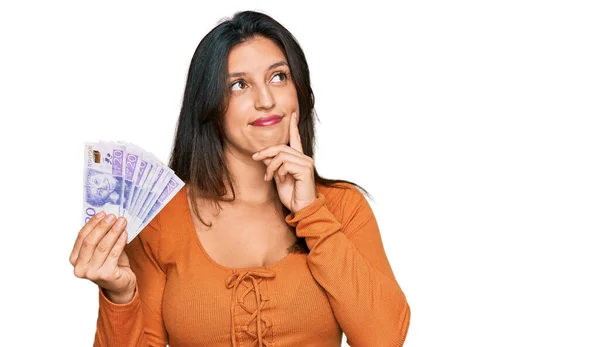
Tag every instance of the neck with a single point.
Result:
(248, 180)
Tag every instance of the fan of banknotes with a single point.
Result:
(123, 179)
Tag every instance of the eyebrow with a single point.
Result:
(239, 74)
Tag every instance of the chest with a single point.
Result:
(199, 309)
(245, 237)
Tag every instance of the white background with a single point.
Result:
(474, 124)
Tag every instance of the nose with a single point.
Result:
(264, 98)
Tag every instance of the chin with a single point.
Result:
(268, 142)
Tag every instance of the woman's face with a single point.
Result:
(260, 85)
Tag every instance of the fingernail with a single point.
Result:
(265, 178)
(109, 218)
(120, 222)
(255, 154)
(100, 215)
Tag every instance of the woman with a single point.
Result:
(258, 249)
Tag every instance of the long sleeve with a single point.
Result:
(348, 260)
(139, 322)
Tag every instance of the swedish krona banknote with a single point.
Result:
(123, 179)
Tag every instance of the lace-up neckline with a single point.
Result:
(254, 277)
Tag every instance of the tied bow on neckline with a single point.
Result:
(255, 277)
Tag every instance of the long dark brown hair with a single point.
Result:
(198, 154)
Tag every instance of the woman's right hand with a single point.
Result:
(98, 256)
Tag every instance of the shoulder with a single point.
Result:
(170, 216)
(342, 193)
(344, 200)
(174, 211)
(165, 232)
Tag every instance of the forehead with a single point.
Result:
(254, 56)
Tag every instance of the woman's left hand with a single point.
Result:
(292, 170)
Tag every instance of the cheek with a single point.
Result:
(235, 115)
(288, 99)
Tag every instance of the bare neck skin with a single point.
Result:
(248, 180)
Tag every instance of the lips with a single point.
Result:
(268, 120)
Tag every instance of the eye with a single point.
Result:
(282, 76)
(240, 83)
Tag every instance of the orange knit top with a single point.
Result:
(184, 298)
